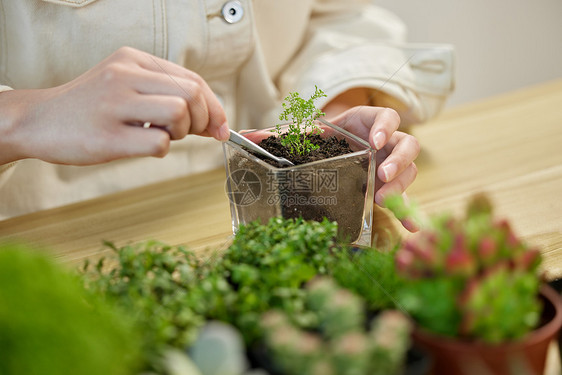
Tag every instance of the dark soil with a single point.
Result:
(328, 148)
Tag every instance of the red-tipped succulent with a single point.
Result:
(459, 260)
(492, 273)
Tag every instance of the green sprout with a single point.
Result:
(301, 115)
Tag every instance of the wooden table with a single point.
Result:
(509, 146)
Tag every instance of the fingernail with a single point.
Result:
(224, 132)
(389, 171)
(410, 225)
(379, 140)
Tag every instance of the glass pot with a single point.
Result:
(340, 188)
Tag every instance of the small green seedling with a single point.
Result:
(301, 115)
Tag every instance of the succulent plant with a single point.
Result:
(390, 340)
(338, 342)
(350, 353)
(486, 276)
(493, 308)
(339, 310)
(219, 350)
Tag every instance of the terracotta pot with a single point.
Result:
(526, 356)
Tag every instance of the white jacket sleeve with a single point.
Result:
(356, 44)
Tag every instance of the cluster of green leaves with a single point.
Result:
(371, 273)
(499, 307)
(154, 283)
(267, 265)
(50, 325)
(433, 304)
(301, 114)
(504, 306)
(171, 292)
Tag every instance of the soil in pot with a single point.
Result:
(344, 194)
(526, 356)
(327, 148)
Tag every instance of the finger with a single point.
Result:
(167, 112)
(357, 120)
(159, 65)
(206, 110)
(397, 185)
(374, 124)
(205, 118)
(386, 123)
(410, 225)
(129, 141)
(405, 149)
(199, 111)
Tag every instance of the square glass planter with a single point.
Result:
(340, 188)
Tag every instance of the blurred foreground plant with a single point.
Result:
(154, 283)
(50, 325)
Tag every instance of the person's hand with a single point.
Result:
(396, 151)
(99, 116)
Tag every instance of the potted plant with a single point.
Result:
(474, 290)
(339, 187)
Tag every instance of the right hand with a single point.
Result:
(98, 116)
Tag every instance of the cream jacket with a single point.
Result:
(251, 59)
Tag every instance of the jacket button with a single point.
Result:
(232, 11)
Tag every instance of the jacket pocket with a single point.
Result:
(80, 33)
(123, 22)
(71, 3)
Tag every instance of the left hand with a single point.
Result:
(396, 150)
